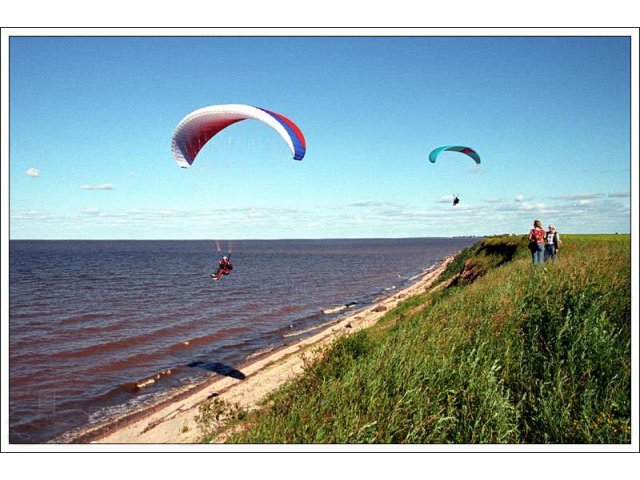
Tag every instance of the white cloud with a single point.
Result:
(623, 194)
(445, 199)
(371, 203)
(579, 197)
(539, 207)
(168, 213)
(100, 186)
(33, 172)
(375, 219)
(90, 211)
(522, 198)
(32, 215)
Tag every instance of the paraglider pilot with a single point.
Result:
(224, 268)
(456, 200)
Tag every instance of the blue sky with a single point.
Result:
(91, 120)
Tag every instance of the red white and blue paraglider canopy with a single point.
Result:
(201, 125)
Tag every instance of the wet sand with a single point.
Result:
(173, 420)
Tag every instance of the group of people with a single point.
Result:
(544, 245)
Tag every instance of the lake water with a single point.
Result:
(92, 321)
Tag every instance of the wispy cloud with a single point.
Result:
(623, 194)
(378, 219)
(522, 198)
(538, 207)
(33, 172)
(579, 197)
(99, 186)
(39, 216)
(89, 211)
(445, 199)
(370, 204)
(586, 215)
(134, 215)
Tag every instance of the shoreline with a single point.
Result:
(172, 420)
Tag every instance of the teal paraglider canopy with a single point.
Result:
(449, 148)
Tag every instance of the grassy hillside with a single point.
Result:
(511, 353)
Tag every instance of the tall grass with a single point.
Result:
(521, 355)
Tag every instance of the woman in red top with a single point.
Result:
(536, 242)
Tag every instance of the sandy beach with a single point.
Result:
(173, 420)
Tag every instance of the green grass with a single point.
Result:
(520, 355)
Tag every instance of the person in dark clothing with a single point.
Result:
(224, 268)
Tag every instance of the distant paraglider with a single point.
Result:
(200, 126)
(454, 148)
(466, 150)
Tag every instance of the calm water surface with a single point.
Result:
(90, 321)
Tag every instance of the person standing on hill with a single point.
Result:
(552, 244)
(536, 242)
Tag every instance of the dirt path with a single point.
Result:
(174, 421)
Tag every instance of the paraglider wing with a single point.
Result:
(200, 126)
(466, 150)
